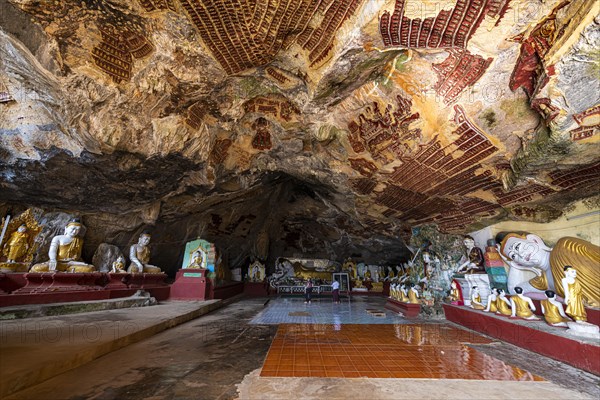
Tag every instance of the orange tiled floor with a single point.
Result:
(383, 351)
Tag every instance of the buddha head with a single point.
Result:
(495, 291)
(526, 249)
(469, 242)
(475, 289)
(570, 272)
(73, 228)
(501, 292)
(550, 294)
(22, 228)
(144, 239)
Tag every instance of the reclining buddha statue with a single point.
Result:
(65, 252)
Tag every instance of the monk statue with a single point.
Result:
(536, 267)
(474, 259)
(65, 252)
(476, 303)
(403, 293)
(522, 306)
(553, 311)
(492, 299)
(139, 254)
(413, 294)
(503, 304)
(573, 295)
(16, 247)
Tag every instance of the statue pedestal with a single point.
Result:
(534, 336)
(584, 329)
(408, 310)
(256, 289)
(190, 284)
(117, 280)
(13, 267)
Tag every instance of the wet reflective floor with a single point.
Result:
(359, 310)
(433, 351)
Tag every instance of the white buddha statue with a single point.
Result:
(492, 298)
(476, 303)
(139, 254)
(65, 252)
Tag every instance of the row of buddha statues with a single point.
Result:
(521, 306)
(405, 293)
(64, 254)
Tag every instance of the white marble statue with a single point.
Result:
(139, 254)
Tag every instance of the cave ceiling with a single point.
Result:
(329, 126)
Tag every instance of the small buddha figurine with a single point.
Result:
(16, 247)
(553, 311)
(503, 304)
(139, 254)
(403, 293)
(476, 303)
(522, 306)
(198, 259)
(413, 294)
(390, 274)
(368, 275)
(65, 252)
(118, 266)
(454, 295)
(492, 298)
(573, 295)
(392, 291)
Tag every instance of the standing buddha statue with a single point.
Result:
(573, 295)
(16, 247)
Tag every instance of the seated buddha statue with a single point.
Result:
(139, 254)
(65, 252)
(476, 303)
(118, 266)
(553, 311)
(492, 298)
(573, 295)
(198, 260)
(503, 304)
(522, 306)
(413, 294)
(16, 247)
(454, 295)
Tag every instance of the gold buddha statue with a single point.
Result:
(139, 254)
(503, 304)
(65, 252)
(553, 311)
(476, 303)
(573, 295)
(403, 294)
(454, 295)
(118, 266)
(198, 260)
(522, 306)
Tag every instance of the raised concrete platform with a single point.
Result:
(408, 310)
(34, 350)
(54, 309)
(536, 336)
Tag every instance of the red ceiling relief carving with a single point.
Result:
(262, 138)
(364, 186)
(364, 167)
(275, 105)
(522, 195)
(243, 34)
(589, 124)
(582, 176)
(220, 150)
(449, 29)
(459, 70)
(158, 5)
(528, 72)
(385, 130)
(115, 53)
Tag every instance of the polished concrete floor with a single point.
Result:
(221, 356)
